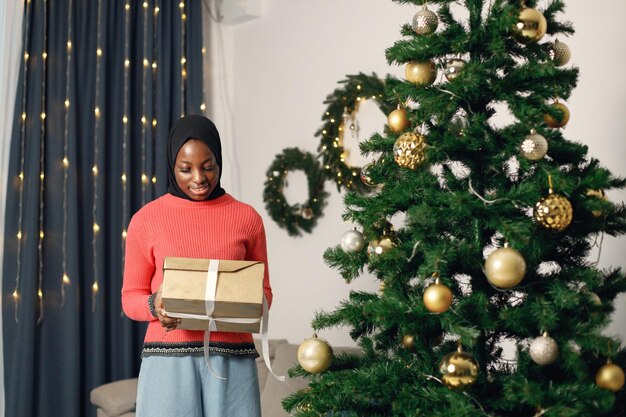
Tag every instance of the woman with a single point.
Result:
(195, 219)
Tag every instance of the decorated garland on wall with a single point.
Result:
(343, 105)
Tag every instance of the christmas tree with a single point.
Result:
(497, 225)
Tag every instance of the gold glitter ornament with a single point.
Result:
(315, 355)
(534, 146)
(408, 342)
(505, 267)
(557, 122)
(409, 150)
(398, 120)
(544, 350)
(600, 194)
(437, 297)
(553, 212)
(559, 53)
(530, 27)
(458, 370)
(421, 72)
(610, 376)
(425, 22)
(379, 247)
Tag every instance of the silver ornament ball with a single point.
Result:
(352, 241)
(559, 53)
(454, 68)
(544, 350)
(457, 125)
(425, 22)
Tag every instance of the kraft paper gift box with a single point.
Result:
(237, 302)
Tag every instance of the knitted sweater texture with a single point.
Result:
(223, 228)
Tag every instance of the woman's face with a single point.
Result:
(196, 170)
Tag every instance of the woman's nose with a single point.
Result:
(198, 175)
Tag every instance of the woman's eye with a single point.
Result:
(185, 170)
(211, 168)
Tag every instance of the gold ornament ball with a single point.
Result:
(611, 377)
(379, 247)
(530, 27)
(398, 120)
(408, 342)
(553, 212)
(421, 72)
(560, 121)
(559, 53)
(409, 150)
(534, 146)
(315, 355)
(437, 297)
(600, 194)
(425, 22)
(454, 68)
(505, 267)
(458, 370)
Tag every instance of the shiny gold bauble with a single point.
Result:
(534, 146)
(610, 377)
(425, 22)
(408, 342)
(553, 212)
(559, 53)
(600, 194)
(409, 150)
(458, 370)
(379, 247)
(421, 72)
(505, 267)
(398, 120)
(530, 27)
(315, 355)
(557, 122)
(454, 68)
(437, 297)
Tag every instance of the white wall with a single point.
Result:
(278, 69)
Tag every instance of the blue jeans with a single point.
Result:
(185, 387)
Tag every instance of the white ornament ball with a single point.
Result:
(425, 22)
(544, 350)
(352, 241)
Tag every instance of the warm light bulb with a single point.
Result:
(324, 147)
(127, 62)
(96, 228)
(146, 62)
(202, 106)
(144, 178)
(324, 131)
(43, 116)
(19, 235)
(143, 120)
(358, 87)
(124, 234)
(23, 116)
(25, 56)
(154, 65)
(154, 122)
(125, 119)
(156, 10)
(153, 180)
(21, 176)
(95, 287)
(123, 177)
(145, 4)
(66, 279)
(203, 50)
(44, 55)
(99, 52)
(66, 162)
(41, 175)
(97, 111)
(127, 7)
(184, 16)
(183, 74)
(94, 169)
(67, 103)
(40, 293)
(16, 295)
(181, 4)
(41, 234)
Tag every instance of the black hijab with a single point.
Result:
(193, 127)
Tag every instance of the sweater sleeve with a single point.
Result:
(257, 251)
(139, 269)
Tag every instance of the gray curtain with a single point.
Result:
(64, 341)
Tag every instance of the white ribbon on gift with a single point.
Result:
(209, 305)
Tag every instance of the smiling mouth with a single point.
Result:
(199, 189)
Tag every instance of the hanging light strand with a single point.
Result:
(42, 161)
(155, 92)
(65, 279)
(183, 59)
(21, 177)
(96, 227)
(144, 91)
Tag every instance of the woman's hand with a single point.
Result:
(169, 323)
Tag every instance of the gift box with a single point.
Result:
(228, 295)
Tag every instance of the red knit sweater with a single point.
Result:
(223, 228)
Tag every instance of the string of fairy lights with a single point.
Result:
(65, 279)
(148, 119)
(42, 161)
(95, 286)
(21, 176)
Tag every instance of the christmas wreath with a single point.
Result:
(294, 217)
